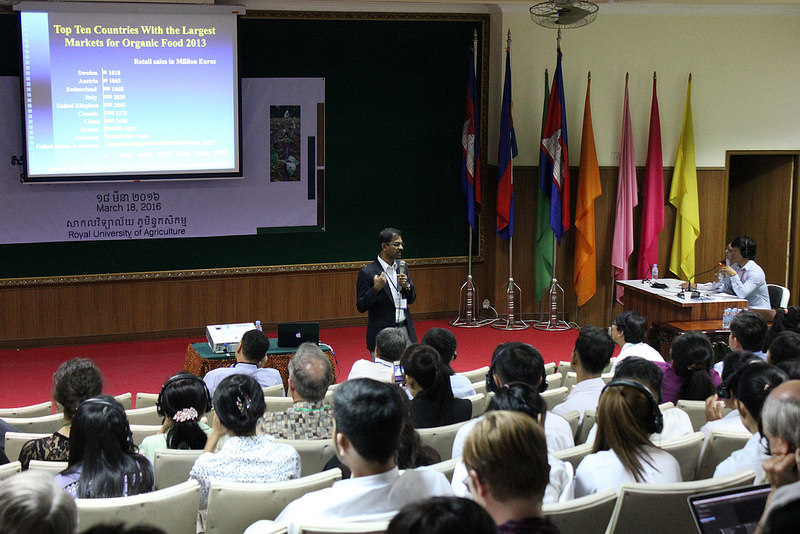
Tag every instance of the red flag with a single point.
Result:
(652, 194)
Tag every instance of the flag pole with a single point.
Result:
(511, 322)
(468, 312)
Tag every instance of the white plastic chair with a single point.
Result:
(49, 467)
(720, 445)
(172, 466)
(440, 438)
(143, 416)
(314, 453)
(554, 397)
(583, 515)
(32, 410)
(686, 449)
(476, 375)
(15, 441)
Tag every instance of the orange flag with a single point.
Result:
(589, 189)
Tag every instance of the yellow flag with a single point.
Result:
(683, 195)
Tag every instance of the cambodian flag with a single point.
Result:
(506, 151)
(470, 148)
(554, 159)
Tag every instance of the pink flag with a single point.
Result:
(627, 198)
(652, 194)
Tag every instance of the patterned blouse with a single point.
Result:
(53, 448)
(303, 420)
(246, 459)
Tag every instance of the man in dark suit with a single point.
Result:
(385, 291)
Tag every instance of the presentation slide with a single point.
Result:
(129, 95)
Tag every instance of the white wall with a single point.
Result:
(745, 78)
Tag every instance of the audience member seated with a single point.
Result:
(593, 350)
(627, 416)
(780, 420)
(676, 422)
(75, 381)
(786, 319)
(32, 503)
(506, 460)
(432, 402)
(309, 417)
(629, 331)
(183, 401)
(390, 343)
(245, 456)
(751, 385)
(369, 419)
(748, 332)
(103, 461)
(523, 398)
(520, 362)
(731, 422)
(250, 353)
(442, 515)
(445, 344)
(689, 376)
(784, 347)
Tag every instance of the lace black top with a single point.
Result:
(53, 448)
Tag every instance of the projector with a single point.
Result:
(225, 337)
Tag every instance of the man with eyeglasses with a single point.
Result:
(385, 291)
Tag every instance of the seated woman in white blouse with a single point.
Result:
(626, 417)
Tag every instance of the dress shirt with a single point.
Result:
(391, 274)
(557, 432)
(584, 396)
(750, 456)
(749, 283)
(246, 459)
(379, 370)
(363, 497)
(461, 386)
(642, 350)
(719, 365)
(263, 375)
(602, 470)
(302, 420)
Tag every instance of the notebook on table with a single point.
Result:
(294, 334)
(735, 510)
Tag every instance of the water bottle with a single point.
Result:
(258, 326)
(654, 272)
(726, 318)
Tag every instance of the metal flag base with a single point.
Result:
(468, 316)
(510, 321)
(555, 319)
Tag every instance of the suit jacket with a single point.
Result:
(380, 305)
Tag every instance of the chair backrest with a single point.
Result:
(778, 296)
(343, 526)
(583, 515)
(555, 380)
(573, 418)
(607, 377)
(10, 469)
(143, 416)
(278, 404)
(564, 367)
(440, 438)
(173, 509)
(273, 391)
(663, 508)
(50, 467)
(142, 431)
(314, 453)
(476, 375)
(570, 379)
(33, 410)
(589, 418)
(125, 399)
(172, 466)
(42, 424)
(233, 506)
(696, 410)
(575, 454)
(664, 406)
(478, 404)
(686, 449)
(550, 368)
(479, 387)
(446, 467)
(145, 400)
(15, 441)
(553, 397)
(610, 367)
(720, 445)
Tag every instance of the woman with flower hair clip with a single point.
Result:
(245, 456)
(183, 401)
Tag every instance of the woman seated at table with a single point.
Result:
(103, 461)
(433, 403)
(689, 375)
(183, 401)
(626, 417)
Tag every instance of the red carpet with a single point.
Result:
(144, 365)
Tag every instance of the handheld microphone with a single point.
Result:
(401, 268)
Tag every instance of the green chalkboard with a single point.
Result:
(395, 90)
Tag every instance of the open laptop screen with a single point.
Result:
(735, 511)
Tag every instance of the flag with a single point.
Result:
(543, 250)
(553, 159)
(506, 151)
(585, 280)
(652, 194)
(470, 148)
(683, 195)
(627, 199)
